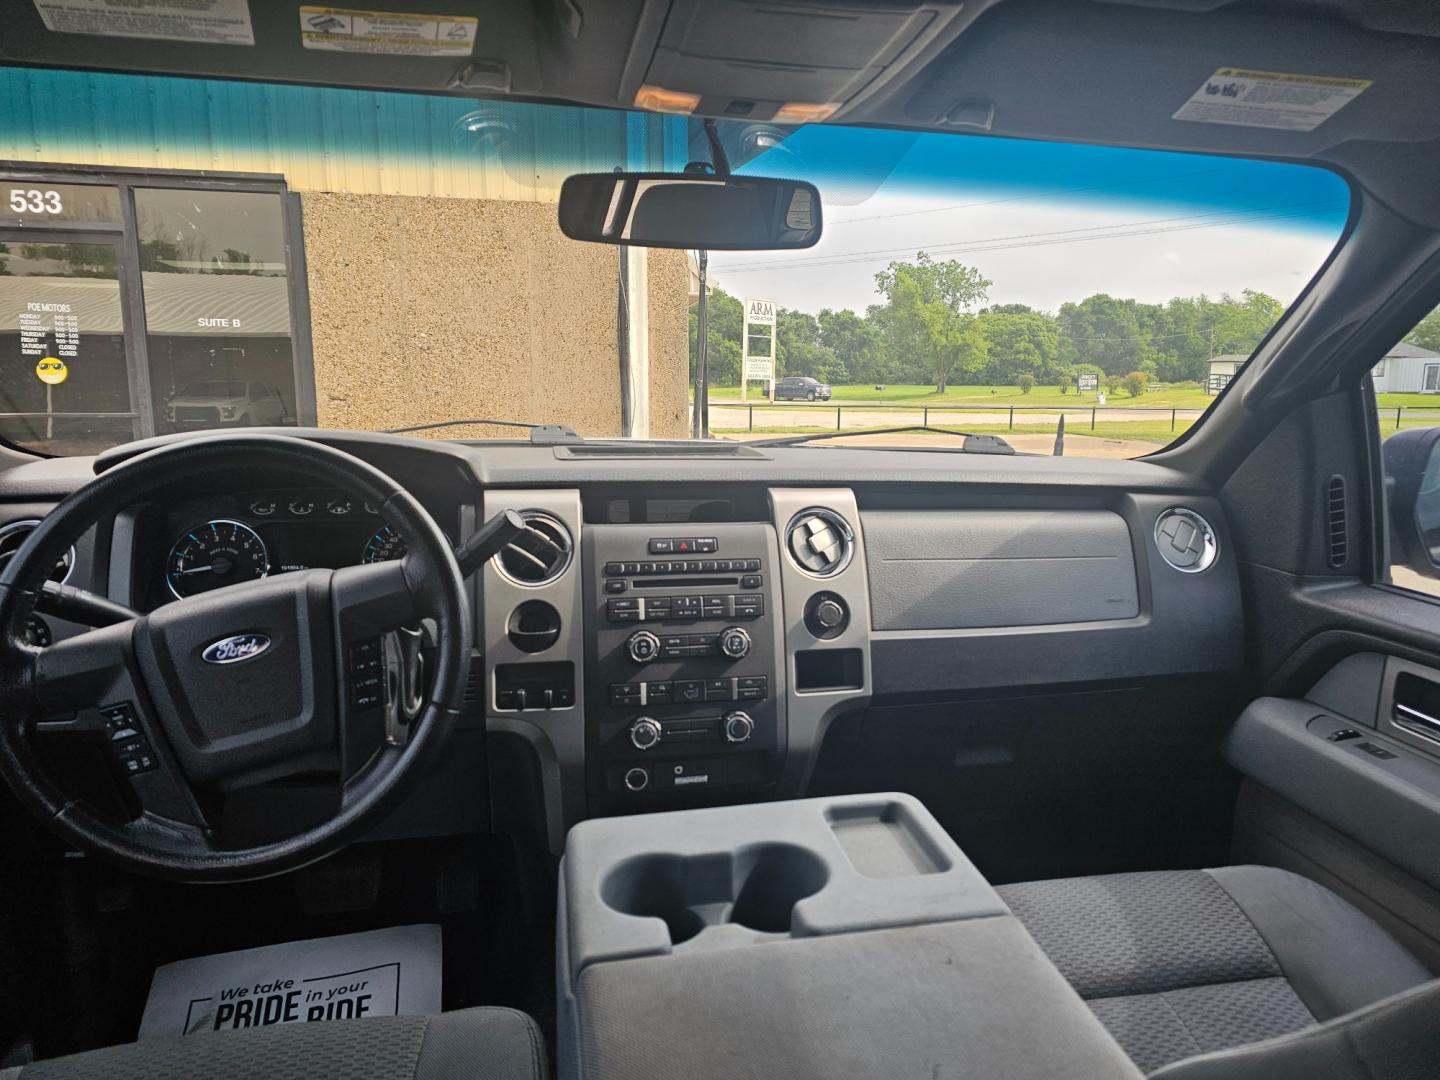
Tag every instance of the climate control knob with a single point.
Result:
(645, 733)
(738, 727)
(735, 642)
(643, 646)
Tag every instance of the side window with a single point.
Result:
(1407, 397)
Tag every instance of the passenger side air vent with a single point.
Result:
(819, 542)
(1185, 540)
(1337, 547)
(15, 534)
(539, 555)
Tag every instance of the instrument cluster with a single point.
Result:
(269, 532)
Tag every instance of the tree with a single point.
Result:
(1427, 332)
(928, 306)
(1025, 382)
(1066, 381)
(1134, 383)
(724, 321)
(1106, 332)
(1019, 341)
(798, 350)
(856, 343)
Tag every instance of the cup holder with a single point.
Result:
(755, 887)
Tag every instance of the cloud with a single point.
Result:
(1041, 253)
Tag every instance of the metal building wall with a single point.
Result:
(325, 139)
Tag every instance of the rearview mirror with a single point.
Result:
(681, 210)
(1412, 492)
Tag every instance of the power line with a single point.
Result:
(1120, 230)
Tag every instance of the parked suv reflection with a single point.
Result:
(229, 403)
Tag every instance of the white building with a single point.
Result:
(1407, 369)
(1222, 370)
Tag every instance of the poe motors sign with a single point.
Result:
(757, 355)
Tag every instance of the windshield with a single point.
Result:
(182, 254)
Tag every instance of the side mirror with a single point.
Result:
(681, 210)
(1412, 493)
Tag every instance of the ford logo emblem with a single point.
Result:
(232, 650)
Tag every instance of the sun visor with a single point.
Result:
(1233, 79)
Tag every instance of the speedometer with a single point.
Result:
(385, 545)
(217, 553)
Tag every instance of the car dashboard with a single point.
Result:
(683, 625)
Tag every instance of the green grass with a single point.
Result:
(1159, 398)
(1159, 432)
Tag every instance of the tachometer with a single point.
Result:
(385, 545)
(217, 553)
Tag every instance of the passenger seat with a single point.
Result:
(1183, 963)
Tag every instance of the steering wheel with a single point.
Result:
(239, 685)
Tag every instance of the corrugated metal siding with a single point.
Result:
(324, 139)
(1403, 374)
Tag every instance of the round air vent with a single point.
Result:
(539, 555)
(820, 542)
(1185, 540)
(14, 534)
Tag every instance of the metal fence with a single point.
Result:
(742, 416)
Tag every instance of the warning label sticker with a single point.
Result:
(214, 22)
(1269, 99)
(394, 972)
(395, 33)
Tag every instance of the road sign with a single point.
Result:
(758, 365)
(760, 312)
(1088, 381)
(51, 370)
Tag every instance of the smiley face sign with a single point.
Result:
(51, 370)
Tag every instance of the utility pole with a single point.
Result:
(700, 421)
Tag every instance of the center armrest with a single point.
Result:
(819, 938)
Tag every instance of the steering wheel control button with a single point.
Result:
(738, 727)
(826, 615)
(365, 674)
(637, 779)
(128, 745)
(644, 733)
(643, 646)
(735, 642)
(1185, 540)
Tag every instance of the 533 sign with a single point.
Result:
(31, 201)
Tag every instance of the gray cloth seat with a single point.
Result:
(473, 1044)
(1183, 963)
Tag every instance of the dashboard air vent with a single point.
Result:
(1185, 540)
(820, 542)
(15, 534)
(540, 554)
(1336, 546)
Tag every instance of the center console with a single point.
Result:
(685, 682)
(820, 938)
